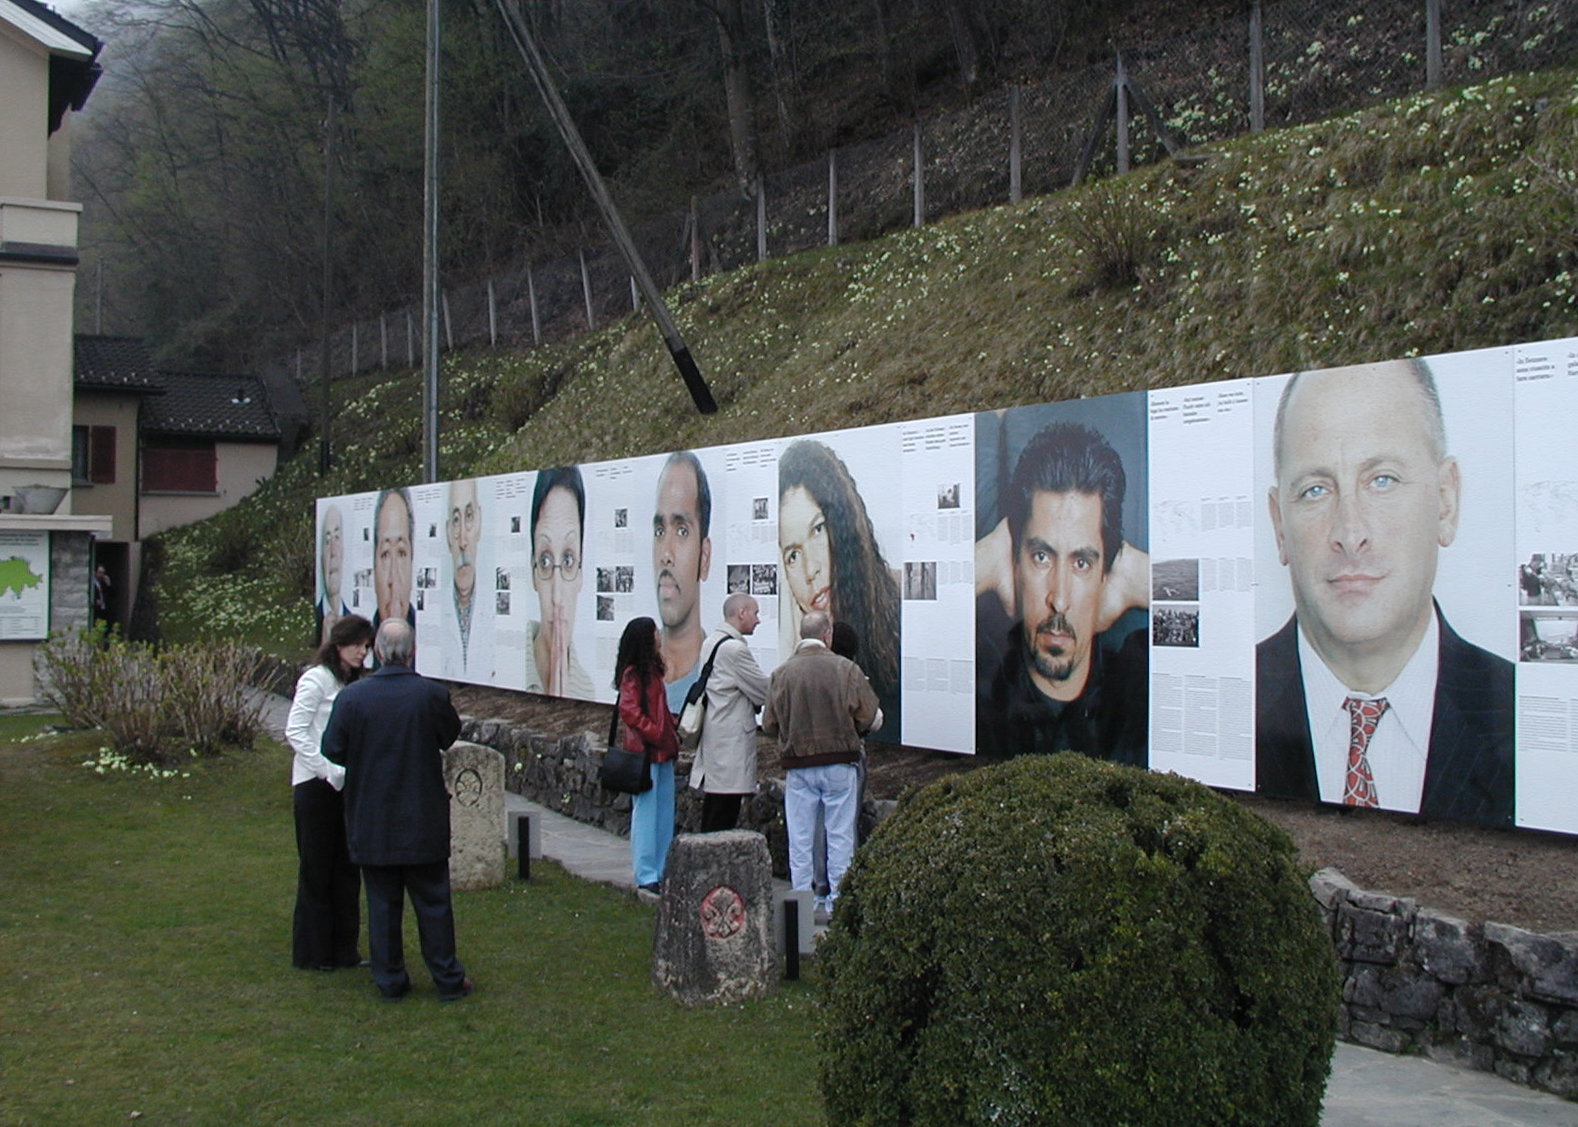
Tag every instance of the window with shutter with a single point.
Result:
(101, 455)
(186, 467)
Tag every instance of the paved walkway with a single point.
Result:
(1367, 1088)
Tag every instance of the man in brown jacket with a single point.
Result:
(818, 704)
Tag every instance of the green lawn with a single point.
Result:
(145, 968)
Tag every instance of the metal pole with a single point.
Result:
(328, 282)
(920, 181)
(430, 293)
(586, 292)
(493, 318)
(523, 847)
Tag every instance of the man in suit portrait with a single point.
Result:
(389, 732)
(1367, 696)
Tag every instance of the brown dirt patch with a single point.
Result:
(1515, 877)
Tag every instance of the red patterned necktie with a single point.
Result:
(1358, 789)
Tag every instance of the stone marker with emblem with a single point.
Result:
(474, 776)
(714, 941)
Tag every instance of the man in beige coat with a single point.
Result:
(725, 767)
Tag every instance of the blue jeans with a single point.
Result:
(833, 790)
(652, 825)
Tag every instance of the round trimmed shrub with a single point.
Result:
(1058, 940)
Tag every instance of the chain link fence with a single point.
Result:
(1318, 58)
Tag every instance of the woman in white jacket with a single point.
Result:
(328, 918)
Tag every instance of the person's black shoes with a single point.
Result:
(466, 987)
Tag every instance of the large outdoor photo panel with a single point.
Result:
(840, 522)
(1545, 400)
(1062, 579)
(1203, 511)
(1383, 600)
(1376, 600)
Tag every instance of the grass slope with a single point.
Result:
(145, 967)
(1440, 222)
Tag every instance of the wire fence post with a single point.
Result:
(1257, 71)
(1015, 152)
(1432, 43)
(586, 291)
(449, 329)
(410, 343)
(761, 220)
(1121, 85)
(695, 238)
(356, 358)
(920, 181)
(832, 198)
(493, 317)
(531, 298)
(383, 340)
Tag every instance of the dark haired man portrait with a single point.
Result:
(1052, 578)
(1367, 696)
(681, 561)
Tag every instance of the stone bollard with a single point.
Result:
(474, 776)
(714, 941)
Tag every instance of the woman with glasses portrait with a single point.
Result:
(558, 521)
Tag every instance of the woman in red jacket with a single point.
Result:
(643, 708)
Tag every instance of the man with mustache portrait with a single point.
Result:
(1047, 680)
(467, 650)
(1367, 696)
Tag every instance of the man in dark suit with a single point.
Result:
(1367, 696)
(389, 732)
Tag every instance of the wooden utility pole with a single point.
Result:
(700, 393)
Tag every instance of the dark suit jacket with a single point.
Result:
(1468, 772)
(389, 731)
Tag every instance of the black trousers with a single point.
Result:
(428, 887)
(328, 915)
(719, 811)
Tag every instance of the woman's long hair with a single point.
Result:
(347, 631)
(864, 592)
(638, 650)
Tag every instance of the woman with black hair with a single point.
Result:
(328, 917)
(832, 562)
(643, 709)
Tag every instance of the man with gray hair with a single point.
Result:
(725, 767)
(1367, 696)
(818, 705)
(389, 732)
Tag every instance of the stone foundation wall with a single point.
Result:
(561, 774)
(1492, 997)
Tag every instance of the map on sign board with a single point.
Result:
(24, 585)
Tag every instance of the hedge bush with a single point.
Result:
(1057, 940)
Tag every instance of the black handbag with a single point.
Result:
(624, 771)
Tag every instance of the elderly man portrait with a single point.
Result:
(394, 534)
(681, 559)
(818, 705)
(1367, 696)
(389, 732)
(331, 571)
(468, 643)
(725, 766)
(1052, 578)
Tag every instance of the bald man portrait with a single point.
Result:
(1367, 696)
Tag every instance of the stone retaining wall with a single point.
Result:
(1492, 997)
(561, 774)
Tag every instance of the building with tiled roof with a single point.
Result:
(113, 363)
(48, 67)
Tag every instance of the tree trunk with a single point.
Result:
(737, 91)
